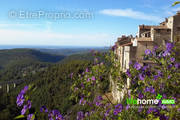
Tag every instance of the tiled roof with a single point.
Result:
(145, 26)
(160, 27)
(144, 39)
(153, 26)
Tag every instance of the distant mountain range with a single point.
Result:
(13, 56)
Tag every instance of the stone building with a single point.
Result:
(129, 48)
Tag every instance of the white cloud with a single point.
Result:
(168, 10)
(17, 25)
(21, 37)
(131, 14)
(176, 9)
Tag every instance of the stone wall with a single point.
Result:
(161, 36)
(141, 47)
(176, 28)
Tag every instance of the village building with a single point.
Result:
(129, 48)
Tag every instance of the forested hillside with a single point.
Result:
(53, 89)
(49, 73)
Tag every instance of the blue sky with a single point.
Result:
(108, 20)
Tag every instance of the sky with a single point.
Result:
(77, 22)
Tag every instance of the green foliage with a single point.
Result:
(147, 81)
(19, 117)
(175, 3)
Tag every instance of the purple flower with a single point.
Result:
(172, 59)
(164, 96)
(155, 77)
(177, 65)
(140, 96)
(28, 104)
(107, 112)
(43, 109)
(147, 52)
(128, 73)
(114, 47)
(87, 70)
(141, 76)
(24, 90)
(166, 53)
(169, 46)
(30, 117)
(144, 68)
(152, 90)
(127, 107)
(147, 89)
(55, 113)
(154, 50)
(150, 110)
(23, 111)
(159, 73)
(88, 80)
(87, 114)
(169, 66)
(59, 117)
(118, 109)
(99, 98)
(148, 73)
(82, 101)
(98, 103)
(115, 112)
(82, 85)
(50, 115)
(20, 99)
(80, 115)
(93, 78)
(130, 63)
(163, 117)
(137, 66)
(140, 109)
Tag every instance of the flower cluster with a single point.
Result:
(20, 98)
(26, 103)
(55, 115)
(159, 76)
(118, 109)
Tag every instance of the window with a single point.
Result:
(168, 30)
(146, 35)
(178, 39)
(178, 28)
(158, 30)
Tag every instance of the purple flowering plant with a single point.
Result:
(160, 76)
(24, 103)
